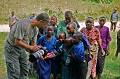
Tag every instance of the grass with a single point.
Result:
(111, 70)
(80, 8)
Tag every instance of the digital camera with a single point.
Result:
(33, 57)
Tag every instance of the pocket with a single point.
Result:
(10, 66)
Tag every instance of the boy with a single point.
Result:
(56, 66)
(66, 52)
(62, 24)
(12, 19)
(105, 40)
(71, 30)
(80, 64)
(114, 19)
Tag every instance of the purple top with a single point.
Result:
(105, 36)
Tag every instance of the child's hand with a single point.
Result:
(107, 52)
(103, 52)
(41, 57)
(49, 55)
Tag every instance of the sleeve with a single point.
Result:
(78, 26)
(60, 29)
(85, 42)
(108, 36)
(20, 31)
(34, 39)
(40, 40)
(117, 16)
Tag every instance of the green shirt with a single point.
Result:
(62, 27)
(24, 31)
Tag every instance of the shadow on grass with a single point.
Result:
(117, 77)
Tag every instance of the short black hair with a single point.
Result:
(102, 17)
(54, 16)
(62, 33)
(79, 35)
(68, 14)
(72, 24)
(42, 16)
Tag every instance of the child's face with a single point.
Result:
(53, 20)
(89, 23)
(76, 38)
(68, 42)
(49, 31)
(70, 29)
(68, 19)
(102, 21)
(62, 37)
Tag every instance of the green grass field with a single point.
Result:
(80, 8)
(111, 70)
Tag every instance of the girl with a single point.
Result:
(44, 64)
(93, 36)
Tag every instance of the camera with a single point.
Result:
(42, 52)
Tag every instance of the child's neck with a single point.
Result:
(49, 38)
(101, 26)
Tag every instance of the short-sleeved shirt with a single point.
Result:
(24, 31)
(105, 36)
(92, 35)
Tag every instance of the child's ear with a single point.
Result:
(52, 32)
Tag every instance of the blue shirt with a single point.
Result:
(85, 42)
(114, 16)
(79, 51)
(50, 45)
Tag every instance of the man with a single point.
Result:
(17, 42)
(114, 19)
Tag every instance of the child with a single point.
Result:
(118, 44)
(80, 64)
(53, 22)
(62, 24)
(114, 19)
(44, 65)
(56, 66)
(66, 50)
(93, 36)
(12, 19)
(74, 20)
(33, 16)
(71, 30)
(105, 40)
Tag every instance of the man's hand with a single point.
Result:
(35, 48)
